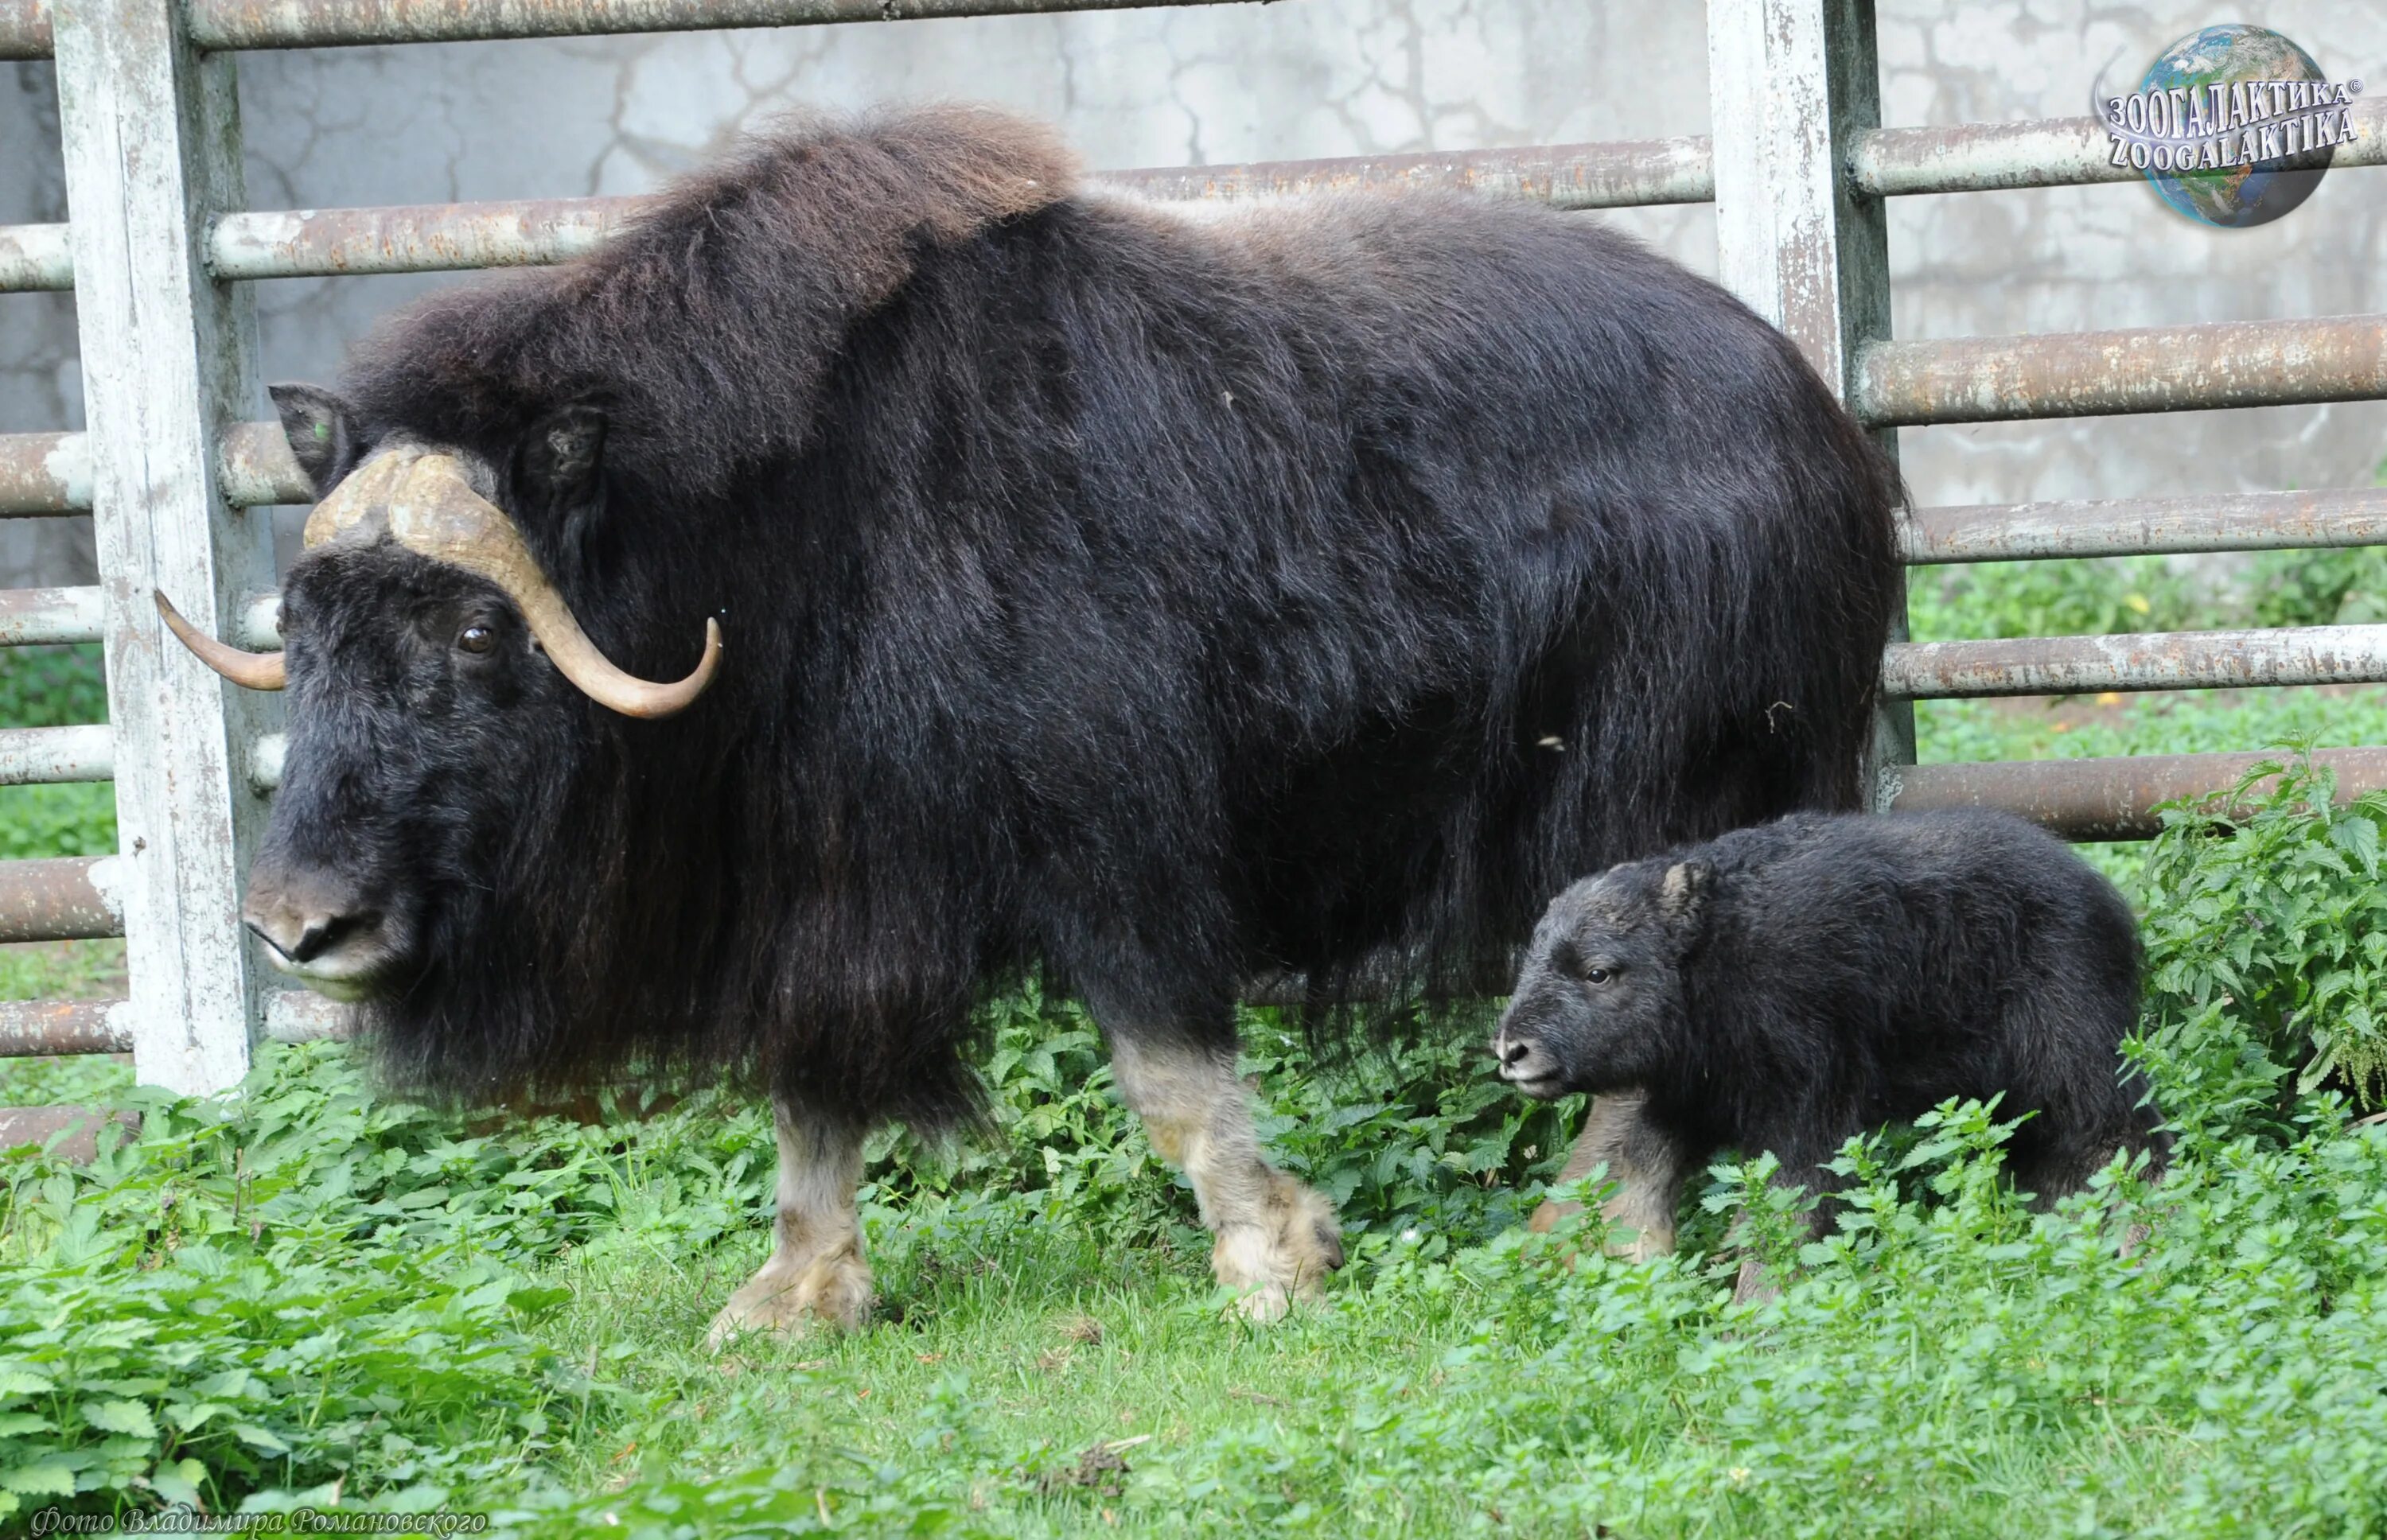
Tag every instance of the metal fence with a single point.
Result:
(161, 252)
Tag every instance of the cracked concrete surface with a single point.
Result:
(1319, 78)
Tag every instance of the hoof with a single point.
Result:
(1547, 1216)
(1755, 1285)
(1283, 1257)
(832, 1290)
(1633, 1245)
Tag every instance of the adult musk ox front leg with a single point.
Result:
(816, 1274)
(1277, 1240)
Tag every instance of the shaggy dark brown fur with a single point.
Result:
(1152, 600)
(1789, 986)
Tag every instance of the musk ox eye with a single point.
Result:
(476, 638)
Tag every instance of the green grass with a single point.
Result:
(313, 1293)
(53, 687)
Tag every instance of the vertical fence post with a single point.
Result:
(152, 141)
(1789, 84)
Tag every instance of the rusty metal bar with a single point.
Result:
(34, 617)
(2153, 660)
(2048, 152)
(35, 257)
(2237, 363)
(2107, 799)
(24, 28)
(36, 1028)
(435, 237)
(45, 473)
(255, 468)
(64, 900)
(302, 1016)
(51, 472)
(2227, 521)
(1624, 174)
(42, 755)
(220, 24)
(81, 1127)
(532, 232)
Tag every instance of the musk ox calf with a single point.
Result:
(891, 566)
(1785, 987)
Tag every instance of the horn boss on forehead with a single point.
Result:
(424, 501)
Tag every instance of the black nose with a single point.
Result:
(302, 937)
(1512, 1051)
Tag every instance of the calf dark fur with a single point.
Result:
(1785, 987)
(1149, 598)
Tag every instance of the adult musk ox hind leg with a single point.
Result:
(1276, 1239)
(816, 1273)
(1647, 1165)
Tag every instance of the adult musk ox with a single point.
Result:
(1151, 599)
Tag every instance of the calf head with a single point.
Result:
(1601, 989)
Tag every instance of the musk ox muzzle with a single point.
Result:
(322, 928)
(422, 500)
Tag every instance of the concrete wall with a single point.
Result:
(1306, 78)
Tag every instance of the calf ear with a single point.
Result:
(563, 454)
(1684, 893)
(321, 431)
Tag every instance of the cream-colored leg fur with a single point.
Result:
(1277, 1240)
(816, 1274)
(1646, 1169)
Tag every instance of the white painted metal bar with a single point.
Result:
(35, 257)
(265, 763)
(24, 28)
(31, 756)
(31, 617)
(2148, 661)
(151, 138)
(260, 628)
(1791, 85)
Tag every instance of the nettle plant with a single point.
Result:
(2267, 942)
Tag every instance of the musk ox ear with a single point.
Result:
(561, 455)
(1684, 892)
(322, 430)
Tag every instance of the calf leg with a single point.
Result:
(1648, 1167)
(1798, 1167)
(1276, 1239)
(816, 1274)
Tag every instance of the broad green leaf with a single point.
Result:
(40, 1479)
(261, 1438)
(130, 1417)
